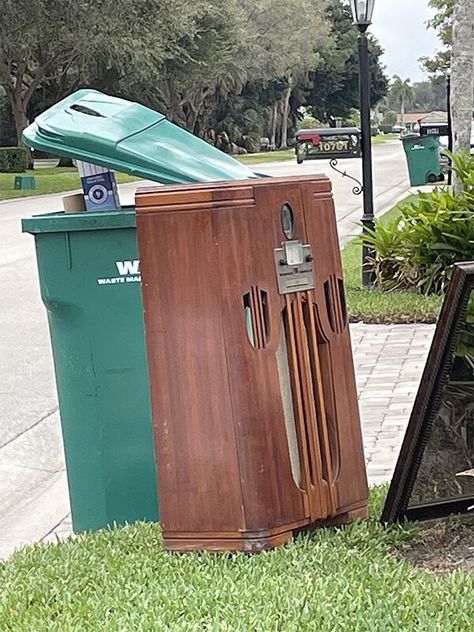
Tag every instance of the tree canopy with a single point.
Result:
(334, 87)
(401, 92)
(442, 23)
(228, 71)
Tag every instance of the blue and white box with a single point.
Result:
(99, 187)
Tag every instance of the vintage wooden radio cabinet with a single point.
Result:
(253, 393)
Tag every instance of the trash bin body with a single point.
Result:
(90, 284)
(423, 159)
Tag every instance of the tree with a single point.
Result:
(430, 95)
(57, 43)
(402, 92)
(442, 23)
(462, 76)
(334, 89)
(281, 50)
(238, 67)
(191, 85)
(389, 118)
(7, 125)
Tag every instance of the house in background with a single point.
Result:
(412, 120)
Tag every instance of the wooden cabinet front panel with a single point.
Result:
(198, 473)
(253, 392)
(271, 495)
(335, 349)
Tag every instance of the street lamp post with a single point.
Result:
(450, 123)
(362, 11)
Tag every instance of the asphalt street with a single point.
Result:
(390, 182)
(33, 490)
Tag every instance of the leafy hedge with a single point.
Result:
(13, 159)
(386, 129)
(416, 251)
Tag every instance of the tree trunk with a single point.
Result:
(18, 105)
(19, 114)
(284, 122)
(402, 112)
(462, 78)
(274, 126)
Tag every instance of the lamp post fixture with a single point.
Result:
(362, 11)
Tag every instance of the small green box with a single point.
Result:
(25, 182)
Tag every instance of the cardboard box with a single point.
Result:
(74, 203)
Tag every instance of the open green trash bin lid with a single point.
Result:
(131, 138)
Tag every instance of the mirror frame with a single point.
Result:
(426, 408)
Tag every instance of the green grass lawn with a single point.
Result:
(376, 306)
(383, 138)
(267, 156)
(48, 180)
(336, 580)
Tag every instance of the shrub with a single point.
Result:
(4, 166)
(390, 118)
(417, 250)
(251, 143)
(309, 123)
(13, 159)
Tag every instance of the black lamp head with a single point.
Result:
(362, 11)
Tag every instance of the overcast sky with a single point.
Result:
(401, 30)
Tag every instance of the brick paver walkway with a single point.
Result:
(389, 361)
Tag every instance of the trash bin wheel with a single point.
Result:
(432, 177)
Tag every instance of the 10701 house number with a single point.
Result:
(334, 145)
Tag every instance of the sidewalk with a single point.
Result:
(389, 361)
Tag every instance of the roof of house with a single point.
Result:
(435, 117)
(427, 117)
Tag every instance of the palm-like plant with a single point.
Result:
(402, 92)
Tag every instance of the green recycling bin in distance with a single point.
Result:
(422, 153)
(90, 284)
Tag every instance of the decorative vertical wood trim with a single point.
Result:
(261, 317)
(321, 404)
(257, 325)
(310, 412)
(299, 415)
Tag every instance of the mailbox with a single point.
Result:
(253, 392)
(434, 129)
(327, 142)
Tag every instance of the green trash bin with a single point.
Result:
(90, 284)
(423, 159)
